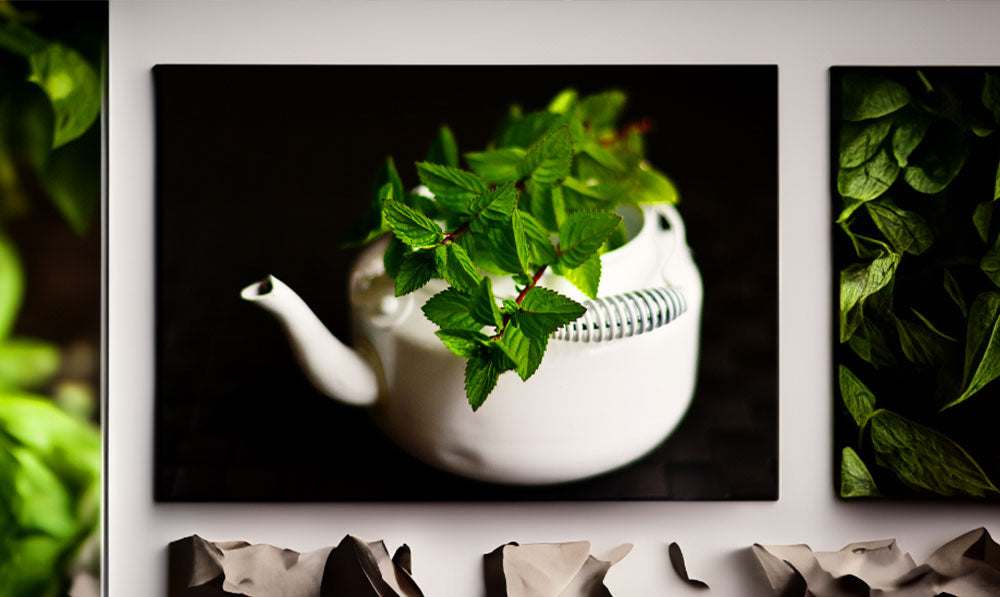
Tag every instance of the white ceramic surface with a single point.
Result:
(590, 407)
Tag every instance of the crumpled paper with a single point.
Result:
(354, 567)
(549, 570)
(967, 566)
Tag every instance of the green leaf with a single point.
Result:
(387, 175)
(48, 508)
(996, 184)
(450, 309)
(544, 311)
(462, 342)
(392, 259)
(869, 343)
(483, 305)
(495, 206)
(982, 346)
(563, 102)
(654, 186)
(548, 162)
(11, 286)
(855, 480)
(924, 458)
(860, 141)
(906, 230)
(955, 292)
(602, 156)
(451, 186)
(443, 149)
(931, 326)
(858, 283)
(857, 397)
(547, 205)
(602, 109)
(526, 352)
(509, 245)
(371, 224)
(865, 97)
(910, 131)
(482, 371)
(454, 265)
(981, 218)
(919, 344)
(938, 160)
(582, 234)
(417, 269)
(542, 252)
(586, 277)
(27, 363)
(869, 180)
(497, 166)
(524, 131)
(72, 179)
(990, 263)
(73, 88)
(991, 95)
(411, 226)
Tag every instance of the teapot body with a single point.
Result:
(589, 408)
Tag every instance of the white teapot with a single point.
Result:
(611, 387)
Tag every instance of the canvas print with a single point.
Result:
(917, 266)
(466, 282)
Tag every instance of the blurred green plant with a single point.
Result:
(50, 450)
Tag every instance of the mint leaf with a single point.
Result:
(602, 109)
(495, 206)
(860, 282)
(858, 399)
(483, 306)
(450, 309)
(981, 218)
(544, 311)
(393, 257)
(563, 102)
(541, 250)
(454, 265)
(906, 230)
(586, 277)
(546, 204)
(462, 342)
(547, 163)
(482, 371)
(858, 142)
(509, 245)
(451, 186)
(410, 226)
(925, 459)
(27, 363)
(855, 479)
(865, 97)
(654, 186)
(582, 234)
(11, 286)
(524, 131)
(939, 160)
(869, 180)
(443, 149)
(496, 166)
(982, 346)
(524, 351)
(416, 269)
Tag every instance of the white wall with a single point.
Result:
(804, 39)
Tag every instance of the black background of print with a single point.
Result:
(261, 169)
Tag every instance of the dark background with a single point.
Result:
(261, 169)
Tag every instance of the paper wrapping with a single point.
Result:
(549, 570)
(967, 566)
(353, 567)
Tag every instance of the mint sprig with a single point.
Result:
(542, 197)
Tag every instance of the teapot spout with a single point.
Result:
(335, 369)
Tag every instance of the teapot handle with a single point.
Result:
(676, 231)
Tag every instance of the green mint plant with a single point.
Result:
(918, 176)
(542, 197)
